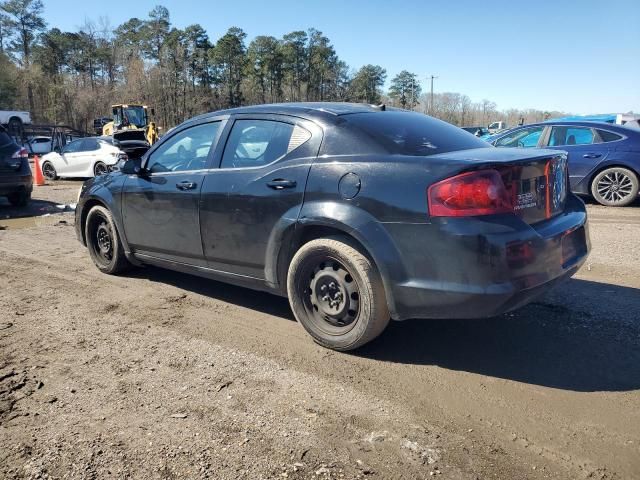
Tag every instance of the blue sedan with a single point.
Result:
(604, 159)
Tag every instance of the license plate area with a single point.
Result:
(574, 246)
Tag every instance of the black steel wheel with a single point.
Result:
(615, 187)
(49, 171)
(100, 169)
(103, 242)
(336, 293)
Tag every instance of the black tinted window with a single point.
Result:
(5, 139)
(73, 147)
(254, 143)
(89, 144)
(607, 136)
(408, 133)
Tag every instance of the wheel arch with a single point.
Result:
(345, 220)
(86, 208)
(613, 164)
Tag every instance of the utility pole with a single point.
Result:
(412, 90)
(431, 101)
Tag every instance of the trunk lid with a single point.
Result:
(536, 179)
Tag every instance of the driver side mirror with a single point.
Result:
(133, 167)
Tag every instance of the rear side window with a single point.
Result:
(565, 136)
(5, 139)
(607, 136)
(254, 143)
(409, 133)
(89, 145)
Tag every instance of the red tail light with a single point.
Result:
(22, 153)
(469, 194)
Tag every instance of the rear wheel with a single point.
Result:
(100, 169)
(49, 171)
(19, 199)
(103, 242)
(336, 293)
(615, 187)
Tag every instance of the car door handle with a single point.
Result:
(591, 155)
(186, 185)
(281, 183)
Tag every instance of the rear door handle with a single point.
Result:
(591, 155)
(281, 183)
(186, 185)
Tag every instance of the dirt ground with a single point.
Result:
(163, 375)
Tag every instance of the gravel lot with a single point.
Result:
(163, 375)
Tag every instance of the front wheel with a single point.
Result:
(615, 187)
(336, 293)
(103, 242)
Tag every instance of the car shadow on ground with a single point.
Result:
(584, 336)
(35, 208)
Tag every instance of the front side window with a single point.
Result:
(186, 150)
(565, 136)
(254, 143)
(523, 138)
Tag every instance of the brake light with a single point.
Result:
(22, 153)
(469, 194)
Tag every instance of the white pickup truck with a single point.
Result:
(14, 119)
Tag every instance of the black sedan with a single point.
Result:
(16, 181)
(358, 214)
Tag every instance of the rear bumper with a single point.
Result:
(482, 267)
(15, 182)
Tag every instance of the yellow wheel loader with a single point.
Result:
(131, 122)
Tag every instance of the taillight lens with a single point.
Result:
(22, 153)
(469, 194)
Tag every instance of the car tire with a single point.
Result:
(336, 293)
(100, 168)
(19, 199)
(615, 187)
(103, 242)
(49, 171)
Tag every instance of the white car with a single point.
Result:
(85, 157)
(39, 145)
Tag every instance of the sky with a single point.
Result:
(578, 56)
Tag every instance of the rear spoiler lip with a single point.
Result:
(496, 156)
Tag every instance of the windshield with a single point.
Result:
(130, 116)
(408, 133)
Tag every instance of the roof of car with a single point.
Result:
(582, 123)
(304, 109)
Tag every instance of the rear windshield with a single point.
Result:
(409, 133)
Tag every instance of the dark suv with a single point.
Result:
(16, 182)
(356, 213)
